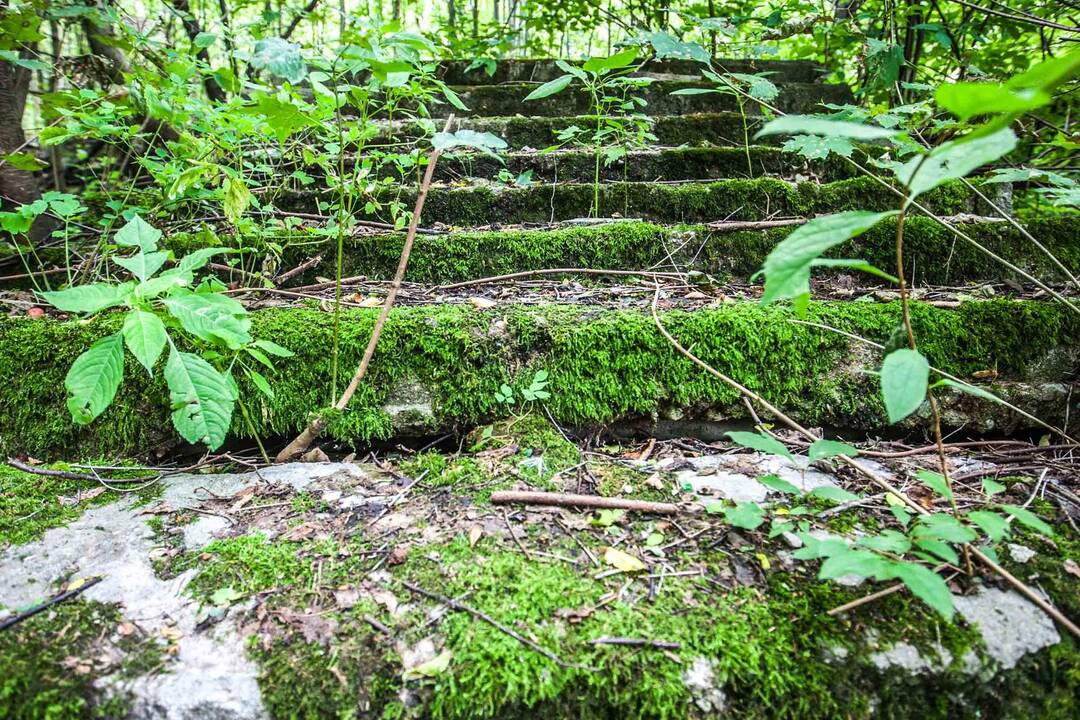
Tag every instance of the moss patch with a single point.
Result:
(31, 504)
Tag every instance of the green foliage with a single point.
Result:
(904, 378)
(201, 394)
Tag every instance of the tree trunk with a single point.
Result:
(191, 27)
(17, 187)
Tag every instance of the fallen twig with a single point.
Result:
(55, 599)
(512, 497)
(46, 472)
(636, 642)
(733, 225)
(454, 604)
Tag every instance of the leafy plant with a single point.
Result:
(163, 306)
(534, 391)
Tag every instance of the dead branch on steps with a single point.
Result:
(303, 441)
(510, 497)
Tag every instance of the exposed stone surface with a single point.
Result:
(734, 477)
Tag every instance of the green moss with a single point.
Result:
(604, 365)
(41, 679)
(506, 99)
(30, 505)
(248, 564)
(754, 199)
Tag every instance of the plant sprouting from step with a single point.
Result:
(535, 391)
(908, 553)
(619, 124)
(163, 308)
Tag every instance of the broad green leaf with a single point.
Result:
(196, 260)
(938, 549)
(1026, 517)
(834, 494)
(143, 264)
(145, 336)
(968, 99)
(953, 160)
(974, 390)
(747, 515)
(237, 199)
(88, 298)
(862, 563)
(23, 161)
(905, 374)
(757, 441)
(571, 70)
(936, 482)
(992, 487)
(550, 87)
(787, 267)
(94, 378)
(779, 484)
(280, 58)
(615, 62)
(201, 398)
(164, 283)
(815, 548)
(453, 98)
(283, 118)
(273, 348)
(943, 526)
(667, 45)
(995, 526)
(816, 125)
(484, 141)
(821, 449)
(1047, 75)
(138, 233)
(889, 541)
(694, 91)
(818, 147)
(211, 317)
(928, 586)
(204, 40)
(758, 87)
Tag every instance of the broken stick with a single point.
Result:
(590, 501)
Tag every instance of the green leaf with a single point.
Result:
(757, 441)
(453, 98)
(1047, 75)
(992, 487)
(1026, 517)
(138, 233)
(747, 516)
(833, 494)
(995, 526)
(619, 60)
(967, 99)
(667, 45)
(904, 377)
(237, 199)
(164, 283)
(484, 141)
(211, 317)
(273, 348)
(943, 526)
(787, 267)
(778, 484)
(260, 381)
(694, 91)
(280, 58)
(201, 398)
(143, 264)
(953, 160)
(88, 298)
(862, 563)
(23, 161)
(550, 87)
(939, 549)
(889, 541)
(94, 378)
(928, 586)
(204, 39)
(821, 449)
(816, 125)
(196, 260)
(936, 482)
(145, 336)
(282, 117)
(817, 147)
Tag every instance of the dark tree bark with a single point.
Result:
(17, 187)
(214, 91)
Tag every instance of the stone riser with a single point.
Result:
(438, 367)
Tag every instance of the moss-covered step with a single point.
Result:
(464, 72)
(751, 199)
(509, 99)
(645, 165)
(301, 610)
(438, 368)
(526, 130)
(933, 254)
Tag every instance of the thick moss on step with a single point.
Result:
(934, 254)
(579, 165)
(491, 100)
(462, 72)
(604, 365)
(755, 199)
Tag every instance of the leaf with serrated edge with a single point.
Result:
(928, 586)
(145, 336)
(94, 378)
(757, 441)
(143, 264)
(138, 233)
(88, 298)
(201, 397)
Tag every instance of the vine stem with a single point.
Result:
(303, 441)
(881, 482)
